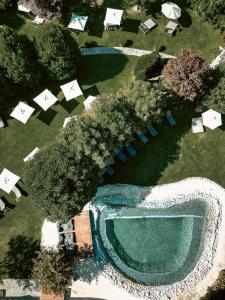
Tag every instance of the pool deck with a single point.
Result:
(83, 230)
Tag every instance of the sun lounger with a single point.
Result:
(197, 125)
(17, 192)
(109, 170)
(2, 206)
(142, 136)
(1, 123)
(67, 226)
(170, 118)
(152, 130)
(147, 25)
(171, 28)
(120, 154)
(69, 240)
(131, 149)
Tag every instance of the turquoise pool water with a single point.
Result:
(162, 244)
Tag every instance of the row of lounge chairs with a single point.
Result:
(170, 29)
(144, 139)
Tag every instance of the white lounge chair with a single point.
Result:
(17, 192)
(1, 123)
(147, 25)
(2, 206)
(197, 125)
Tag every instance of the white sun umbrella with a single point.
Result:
(45, 100)
(89, 101)
(8, 180)
(49, 235)
(78, 22)
(22, 112)
(113, 17)
(212, 119)
(171, 10)
(71, 90)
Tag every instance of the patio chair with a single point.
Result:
(1, 123)
(109, 170)
(131, 149)
(170, 118)
(171, 28)
(67, 226)
(152, 130)
(142, 136)
(147, 26)
(120, 154)
(2, 206)
(17, 192)
(197, 125)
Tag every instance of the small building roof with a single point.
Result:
(89, 101)
(78, 22)
(22, 112)
(212, 119)
(49, 235)
(71, 90)
(113, 16)
(45, 100)
(8, 180)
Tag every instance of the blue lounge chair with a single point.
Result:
(142, 136)
(131, 149)
(170, 118)
(120, 154)
(152, 130)
(109, 170)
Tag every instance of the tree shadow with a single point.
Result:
(86, 270)
(12, 18)
(152, 159)
(69, 106)
(95, 23)
(131, 25)
(7, 203)
(108, 67)
(185, 20)
(47, 116)
(92, 90)
(20, 256)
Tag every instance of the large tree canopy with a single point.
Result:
(47, 9)
(58, 52)
(16, 58)
(216, 98)
(53, 271)
(187, 75)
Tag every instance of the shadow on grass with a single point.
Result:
(47, 116)
(153, 158)
(108, 67)
(91, 91)
(185, 19)
(12, 18)
(95, 24)
(69, 106)
(7, 203)
(131, 25)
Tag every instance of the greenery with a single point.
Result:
(147, 65)
(4, 4)
(211, 10)
(187, 75)
(216, 98)
(58, 53)
(47, 9)
(53, 271)
(142, 3)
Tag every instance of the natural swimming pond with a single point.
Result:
(153, 246)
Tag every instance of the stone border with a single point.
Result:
(212, 259)
(119, 50)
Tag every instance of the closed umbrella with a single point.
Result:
(171, 10)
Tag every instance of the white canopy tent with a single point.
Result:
(89, 101)
(23, 8)
(22, 112)
(71, 90)
(49, 235)
(211, 119)
(113, 17)
(8, 180)
(45, 100)
(31, 155)
(171, 10)
(78, 22)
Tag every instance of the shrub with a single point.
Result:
(216, 98)
(147, 65)
(4, 4)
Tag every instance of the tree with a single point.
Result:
(46, 9)
(147, 65)
(211, 10)
(53, 271)
(187, 75)
(58, 53)
(86, 138)
(16, 59)
(115, 115)
(4, 4)
(146, 4)
(148, 101)
(216, 98)
(60, 183)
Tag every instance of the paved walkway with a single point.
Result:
(118, 50)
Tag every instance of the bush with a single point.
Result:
(147, 65)
(216, 98)
(4, 4)
(58, 52)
